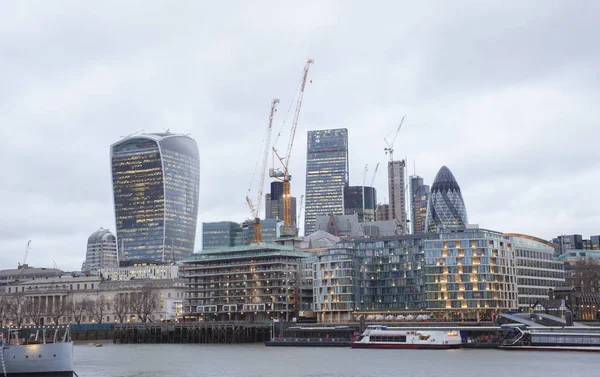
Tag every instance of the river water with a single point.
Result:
(256, 360)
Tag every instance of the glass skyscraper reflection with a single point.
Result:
(326, 174)
(155, 186)
(446, 208)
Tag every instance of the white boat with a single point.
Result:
(402, 337)
(46, 352)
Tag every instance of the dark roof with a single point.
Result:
(549, 304)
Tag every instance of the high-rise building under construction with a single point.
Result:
(396, 187)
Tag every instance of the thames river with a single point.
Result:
(256, 360)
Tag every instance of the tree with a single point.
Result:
(98, 308)
(144, 302)
(586, 276)
(122, 306)
(77, 309)
(34, 311)
(59, 309)
(16, 307)
(4, 302)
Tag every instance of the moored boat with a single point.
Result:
(46, 352)
(580, 339)
(398, 337)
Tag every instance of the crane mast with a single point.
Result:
(288, 229)
(255, 210)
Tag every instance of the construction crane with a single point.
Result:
(374, 174)
(300, 209)
(255, 210)
(284, 174)
(390, 146)
(26, 252)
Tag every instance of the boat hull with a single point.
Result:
(551, 348)
(406, 346)
(52, 359)
(41, 374)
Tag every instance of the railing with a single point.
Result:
(305, 340)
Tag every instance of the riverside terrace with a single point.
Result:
(248, 283)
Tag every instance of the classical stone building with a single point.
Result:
(89, 299)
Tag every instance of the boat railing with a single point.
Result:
(304, 340)
(515, 340)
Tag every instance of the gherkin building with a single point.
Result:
(446, 207)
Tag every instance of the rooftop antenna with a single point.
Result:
(414, 166)
(130, 135)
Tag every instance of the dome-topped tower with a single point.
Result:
(446, 207)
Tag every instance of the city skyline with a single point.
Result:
(500, 102)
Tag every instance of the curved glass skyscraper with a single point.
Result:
(155, 186)
(446, 207)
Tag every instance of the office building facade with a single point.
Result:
(414, 181)
(326, 174)
(101, 251)
(223, 234)
(155, 185)
(446, 207)
(362, 201)
(396, 187)
(537, 270)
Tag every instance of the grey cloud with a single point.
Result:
(504, 94)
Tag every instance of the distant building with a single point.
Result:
(568, 242)
(140, 272)
(225, 234)
(397, 187)
(362, 201)
(220, 234)
(326, 174)
(383, 212)
(155, 185)
(419, 209)
(537, 270)
(446, 207)
(471, 274)
(274, 203)
(414, 182)
(349, 226)
(251, 283)
(101, 251)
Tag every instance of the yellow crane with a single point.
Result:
(284, 174)
(255, 210)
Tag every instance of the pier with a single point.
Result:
(197, 332)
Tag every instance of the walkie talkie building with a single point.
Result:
(155, 186)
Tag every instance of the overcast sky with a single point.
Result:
(505, 95)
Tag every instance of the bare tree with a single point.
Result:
(4, 302)
(98, 308)
(16, 307)
(77, 309)
(586, 276)
(144, 302)
(122, 306)
(34, 310)
(59, 309)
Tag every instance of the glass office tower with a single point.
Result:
(326, 174)
(446, 207)
(155, 186)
